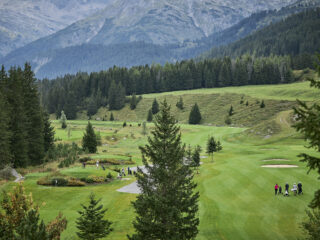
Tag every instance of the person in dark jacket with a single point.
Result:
(280, 190)
(287, 187)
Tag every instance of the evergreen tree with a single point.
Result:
(70, 107)
(111, 117)
(18, 118)
(149, 117)
(211, 146)
(116, 96)
(195, 115)
(92, 107)
(144, 129)
(168, 204)
(228, 120)
(196, 156)
(34, 123)
(180, 104)
(231, 112)
(5, 153)
(124, 124)
(247, 103)
(155, 107)
(30, 228)
(89, 140)
(91, 223)
(219, 146)
(133, 102)
(63, 120)
(308, 123)
(48, 132)
(262, 105)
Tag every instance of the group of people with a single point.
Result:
(296, 189)
(122, 172)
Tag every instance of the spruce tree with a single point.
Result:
(307, 122)
(89, 140)
(180, 104)
(196, 157)
(247, 103)
(48, 132)
(70, 107)
(144, 129)
(116, 96)
(133, 102)
(211, 146)
(231, 112)
(111, 117)
(149, 117)
(195, 115)
(18, 120)
(34, 123)
(5, 133)
(91, 223)
(168, 204)
(63, 120)
(155, 107)
(262, 105)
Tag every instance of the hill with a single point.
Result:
(298, 34)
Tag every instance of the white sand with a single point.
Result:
(276, 159)
(279, 166)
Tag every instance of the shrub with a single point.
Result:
(84, 159)
(94, 179)
(6, 173)
(75, 182)
(59, 182)
(44, 181)
(109, 176)
(111, 161)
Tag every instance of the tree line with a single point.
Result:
(84, 91)
(26, 133)
(297, 36)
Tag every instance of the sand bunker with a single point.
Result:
(276, 159)
(279, 166)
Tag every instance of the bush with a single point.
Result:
(109, 176)
(85, 159)
(5, 173)
(44, 181)
(111, 161)
(94, 179)
(59, 182)
(75, 182)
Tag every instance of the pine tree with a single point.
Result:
(168, 204)
(231, 112)
(144, 129)
(228, 120)
(63, 120)
(92, 107)
(48, 132)
(116, 96)
(91, 223)
(34, 123)
(196, 156)
(89, 140)
(195, 115)
(180, 104)
(247, 103)
(18, 118)
(155, 107)
(133, 102)
(219, 146)
(70, 107)
(149, 117)
(5, 153)
(307, 122)
(211, 146)
(30, 228)
(111, 117)
(262, 105)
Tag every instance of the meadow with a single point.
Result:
(237, 198)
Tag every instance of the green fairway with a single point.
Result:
(236, 194)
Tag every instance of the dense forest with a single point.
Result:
(84, 91)
(26, 134)
(297, 35)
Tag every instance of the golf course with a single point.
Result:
(237, 199)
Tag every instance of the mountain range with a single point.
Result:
(128, 33)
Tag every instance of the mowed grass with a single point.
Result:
(236, 194)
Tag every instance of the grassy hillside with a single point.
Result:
(215, 103)
(236, 194)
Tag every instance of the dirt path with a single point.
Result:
(18, 176)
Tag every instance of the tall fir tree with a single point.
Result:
(63, 120)
(89, 140)
(91, 223)
(116, 96)
(231, 111)
(133, 102)
(111, 117)
(307, 122)
(195, 115)
(180, 103)
(211, 146)
(155, 107)
(18, 120)
(167, 207)
(34, 116)
(48, 132)
(70, 107)
(150, 116)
